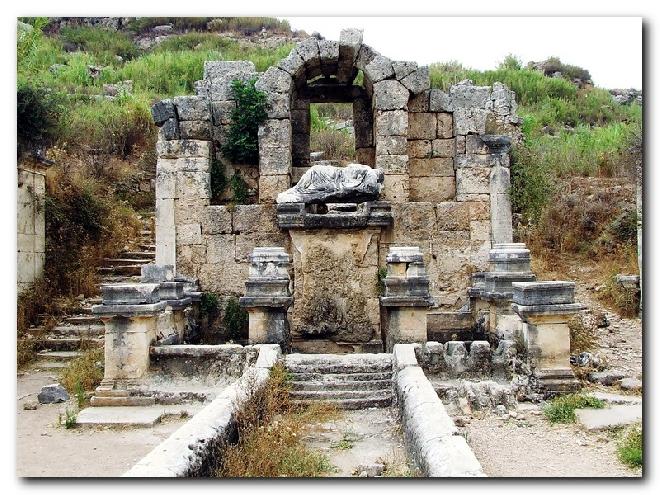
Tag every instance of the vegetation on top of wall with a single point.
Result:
(242, 144)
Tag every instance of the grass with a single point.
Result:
(68, 420)
(83, 373)
(630, 448)
(562, 409)
(583, 337)
(346, 443)
(269, 429)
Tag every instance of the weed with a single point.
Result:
(562, 409)
(68, 420)
(380, 280)
(242, 137)
(104, 44)
(80, 395)
(235, 319)
(630, 448)
(208, 304)
(239, 189)
(583, 337)
(269, 428)
(84, 372)
(346, 443)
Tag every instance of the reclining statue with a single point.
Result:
(322, 183)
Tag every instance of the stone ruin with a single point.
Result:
(428, 201)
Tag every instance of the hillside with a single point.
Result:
(85, 87)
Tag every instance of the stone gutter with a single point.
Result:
(431, 437)
(189, 450)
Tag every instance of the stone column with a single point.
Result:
(500, 183)
(545, 309)
(135, 316)
(267, 297)
(509, 263)
(30, 225)
(407, 297)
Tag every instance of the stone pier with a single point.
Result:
(406, 298)
(267, 297)
(545, 309)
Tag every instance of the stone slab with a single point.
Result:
(602, 419)
(136, 416)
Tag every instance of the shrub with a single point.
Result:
(583, 337)
(84, 372)
(195, 41)
(37, 114)
(242, 137)
(235, 319)
(239, 189)
(562, 409)
(511, 62)
(624, 300)
(208, 304)
(531, 185)
(335, 144)
(630, 448)
(218, 180)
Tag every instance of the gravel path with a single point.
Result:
(45, 449)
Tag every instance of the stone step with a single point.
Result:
(351, 404)
(62, 356)
(51, 365)
(331, 363)
(84, 319)
(69, 344)
(120, 269)
(147, 246)
(108, 262)
(611, 417)
(366, 385)
(341, 377)
(97, 401)
(78, 330)
(141, 255)
(323, 395)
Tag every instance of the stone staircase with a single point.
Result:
(348, 381)
(77, 332)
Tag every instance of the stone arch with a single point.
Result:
(324, 71)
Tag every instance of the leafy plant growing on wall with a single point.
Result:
(242, 137)
(236, 319)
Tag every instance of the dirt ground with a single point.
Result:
(44, 449)
(359, 438)
(529, 446)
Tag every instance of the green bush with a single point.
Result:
(218, 180)
(208, 304)
(531, 185)
(239, 189)
(562, 409)
(37, 112)
(235, 319)
(242, 137)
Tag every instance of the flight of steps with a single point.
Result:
(75, 333)
(349, 381)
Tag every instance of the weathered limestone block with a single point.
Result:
(366, 156)
(439, 101)
(396, 188)
(278, 105)
(444, 148)
(402, 69)
(420, 148)
(335, 274)
(165, 232)
(183, 148)
(192, 108)
(272, 185)
(500, 205)
(422, 126)
(379, 68)
(417, 81)
(435, 189)
(329, 55)
(195, 129)
(391, 145)
(219, 75)
(473, 181)
(246, 243)
(248, 219)
(191, 186)
(392, 123)
(466, 95)
(189, 234)
(162, 111)
(323, 183)
(432, 167)
(216, 219)
(445, 125)
(460, 145)
(275, 147)
(470, 121)
(453, 216)
(420, 102)
(412, 222)
(392, 164)
(350, 41)
(274, 80)
(362, 123)
(220, 248)
(365, 55)
(390, 95)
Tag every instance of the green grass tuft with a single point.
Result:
(630, 448)
(562, 409)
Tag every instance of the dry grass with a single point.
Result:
(83, 373)
(583, 336)
(335, 144)
(269, 428)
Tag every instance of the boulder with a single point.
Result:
(52, 394)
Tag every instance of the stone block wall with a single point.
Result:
(31, 225)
